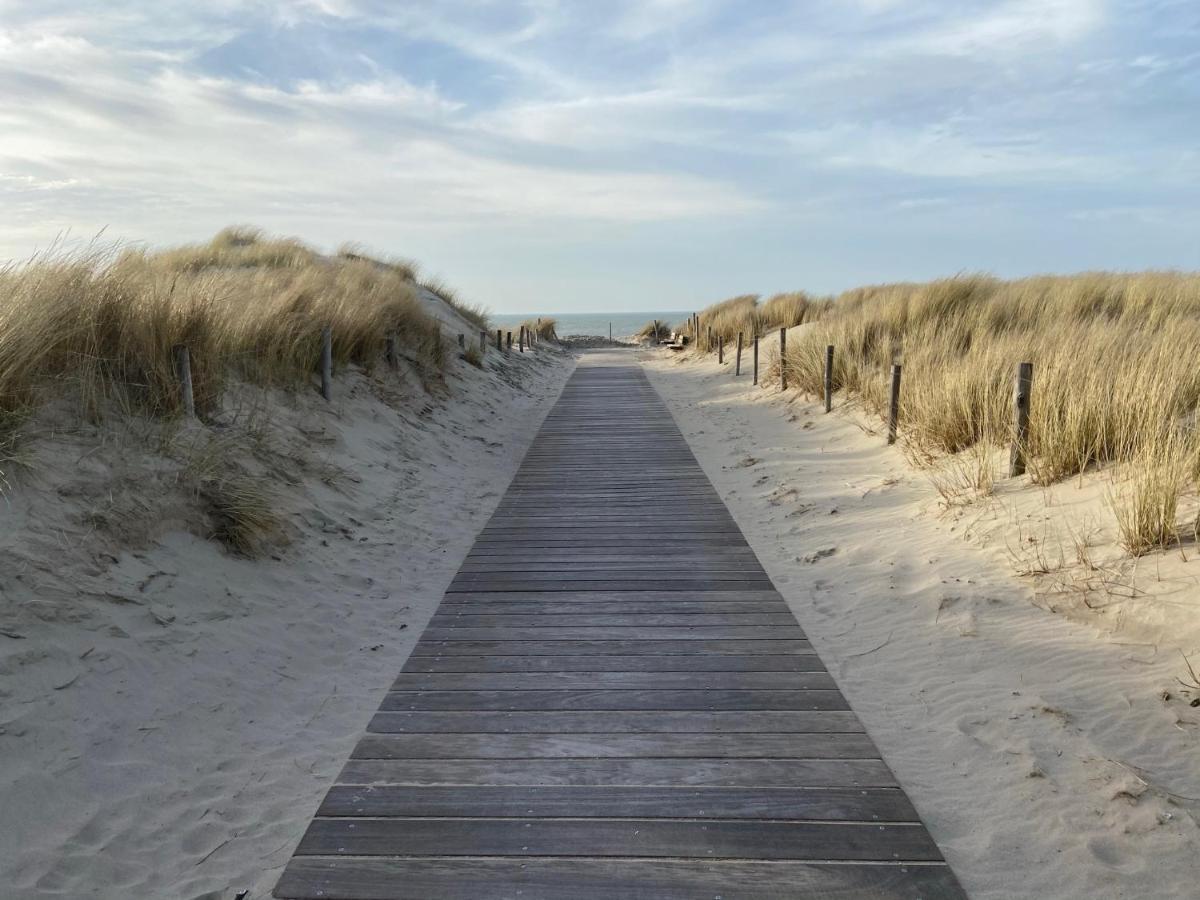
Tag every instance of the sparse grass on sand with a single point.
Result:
(655, 330)
(545, 328)
(104, 322)
(746, 314)
(1115, 379)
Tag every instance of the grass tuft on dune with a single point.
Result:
(752, 317)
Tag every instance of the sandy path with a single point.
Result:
(1037, 750)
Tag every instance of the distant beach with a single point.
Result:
(623, 324)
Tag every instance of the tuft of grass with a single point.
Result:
(655, 330)
(242, 512)
(103, 322)
(1146, 506)
(544, 328)
(747, 315)
(473, 313)
(473, 355)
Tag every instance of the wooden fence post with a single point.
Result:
(756, 359)
(721, 349)
(462, 342)
(783, 359)
(521, 340)
(894, 405)
(1022, 388)
(508, 340)
(183, 371)
(708, 343)
(829, 378)
(737, 365)
(482, 343)
(327, 363)
(389, 351)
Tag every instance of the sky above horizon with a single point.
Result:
(623, 155)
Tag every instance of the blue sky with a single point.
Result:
(616, 154)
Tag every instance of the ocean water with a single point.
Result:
(623, 324)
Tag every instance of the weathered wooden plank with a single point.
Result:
(587, 583)
(539, 647)
(616, 801)
(725, 596)
(452, 618)
(615, 721)
(560, 681)
(682, 607)
(839, 773)
(645, 838)
(525, 878)
(631, 632)
(691, 662)
(614, 699)
(829, 745)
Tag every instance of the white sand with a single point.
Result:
(1038, 749)
(171, 715)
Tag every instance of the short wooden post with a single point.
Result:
(1022, 388)
(508, 340)
(610, 331)
(521, 340)
(756, 359)
(708, 343)
(389, 351)
(183, 371)
(462, 342)
(327, 363)
(483, 343)
(721, 349)
(783, 359)
(737, 365)
(829, 378)
(894, 405)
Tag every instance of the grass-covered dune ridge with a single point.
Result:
(1115, 377)
(751, 316)
(104, 321)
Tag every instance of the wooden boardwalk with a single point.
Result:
(612, 701)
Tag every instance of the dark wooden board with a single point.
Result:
(616, 722)
(692, 662)
(843, 773)
(454, 619)
(537, 646)
(764, 839)
(614, 699)
(660, 745)
(630, 632)
(616, 801)
(525, 878)
(558, 681)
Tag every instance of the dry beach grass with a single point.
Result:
(1114, 380)
(103, 322)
